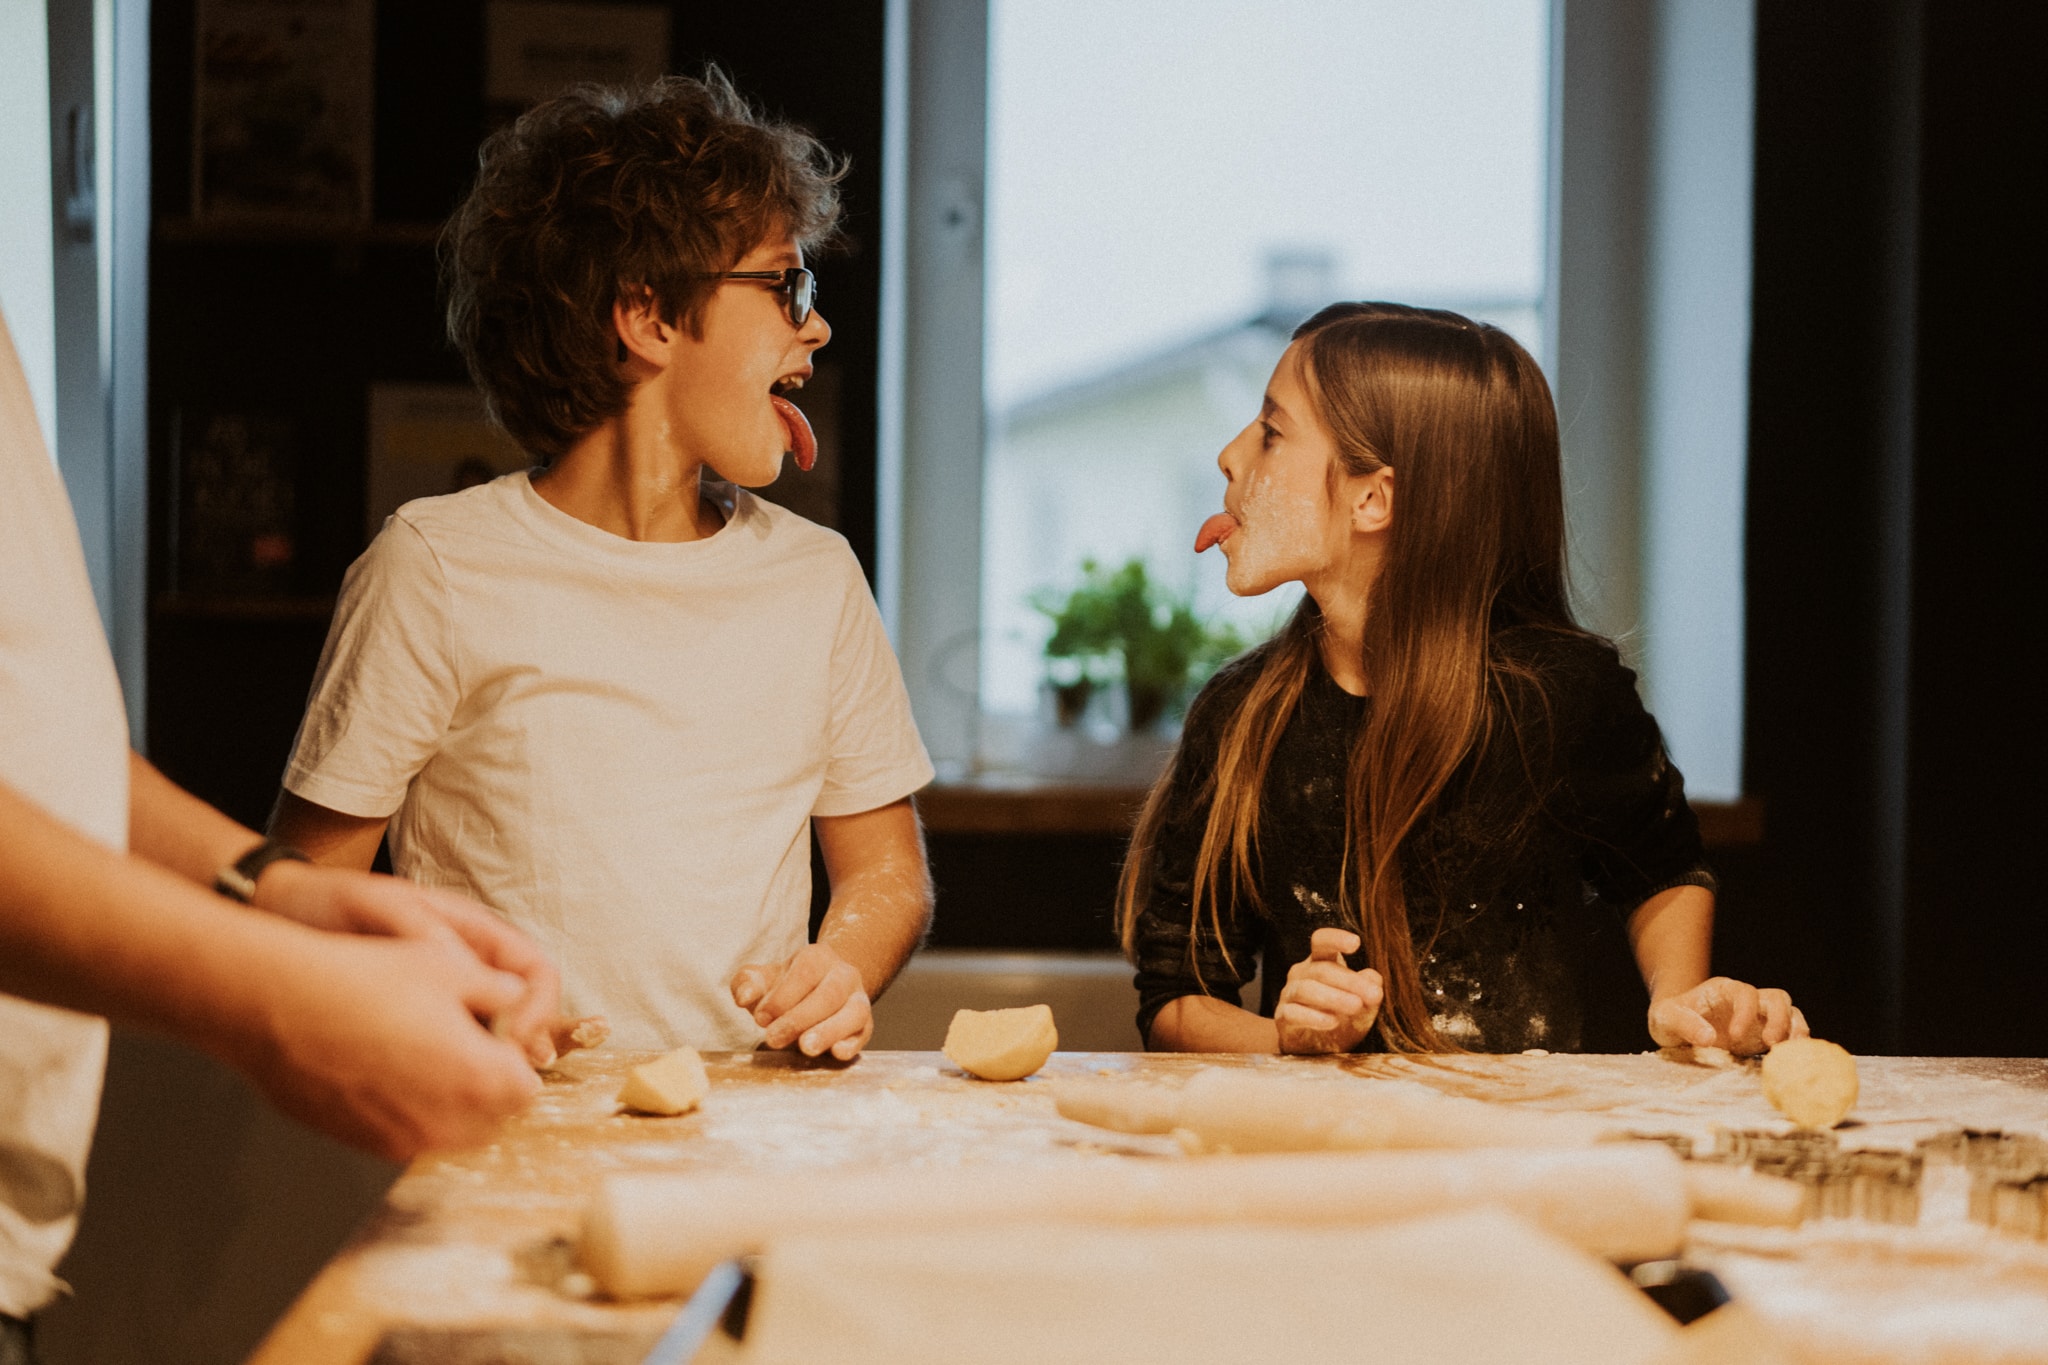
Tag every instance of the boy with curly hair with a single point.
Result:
(610, 697)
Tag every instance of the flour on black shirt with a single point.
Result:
(1519, 879)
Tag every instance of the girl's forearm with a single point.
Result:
(1673, 937)
(1200, 1023)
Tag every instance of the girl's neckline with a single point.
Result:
(1321, 680)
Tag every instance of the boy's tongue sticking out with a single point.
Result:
(803, 442)
(1215, 531)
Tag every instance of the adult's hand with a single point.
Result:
(1325, 1006)
(816, 1001)
(376, 1041)
(1725, 1013)
(344, 901)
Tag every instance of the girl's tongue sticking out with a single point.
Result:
(1215, 531)
(803, 442)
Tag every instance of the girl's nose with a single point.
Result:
(1226, 457)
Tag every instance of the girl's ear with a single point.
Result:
(1372, 501)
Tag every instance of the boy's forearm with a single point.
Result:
(329, 837)
(877, 923)
(881, 890)
(1673, 934)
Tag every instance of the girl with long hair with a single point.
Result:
(1432, 805)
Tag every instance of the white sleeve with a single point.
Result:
(874, 755)
(387, 685)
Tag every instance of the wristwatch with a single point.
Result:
(237, 881)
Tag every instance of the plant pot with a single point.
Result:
(1070, 701)
(1148, 702)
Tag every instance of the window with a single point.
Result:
(1171, 187)
(1108, 215)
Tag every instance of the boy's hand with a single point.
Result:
(815, 1001)
(349, 902)
(1325, 1006)
(1725, 1013)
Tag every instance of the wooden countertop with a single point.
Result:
(482, 1239)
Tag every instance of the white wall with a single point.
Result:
(25, 262)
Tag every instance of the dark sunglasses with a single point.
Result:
(800, 284)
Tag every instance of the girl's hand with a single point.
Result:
(1725, 1013)
(1325, 1006)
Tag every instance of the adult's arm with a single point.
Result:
(174, 829)
(375, 1040)
(821, 998)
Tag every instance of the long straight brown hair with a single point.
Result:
(1463, 415)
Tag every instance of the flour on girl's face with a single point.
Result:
(1279, 537)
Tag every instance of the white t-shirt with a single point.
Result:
(617, 744)
(63, 745)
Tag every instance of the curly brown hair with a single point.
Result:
(604, 194)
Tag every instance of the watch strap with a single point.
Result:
(237, 881)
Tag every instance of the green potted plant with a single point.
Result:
(1080, 652)
(1120, 621)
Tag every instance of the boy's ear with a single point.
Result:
(642, 334)
(1372, 502)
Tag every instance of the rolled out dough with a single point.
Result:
(1002, 1045)
(1228, 1109)
(1123, 1106)
(1476, 1286)
(673, 1083)
(1810, 1082)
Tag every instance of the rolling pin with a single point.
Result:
(658, 1234)
(1221, 1110)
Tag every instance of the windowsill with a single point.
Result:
(1062, 782)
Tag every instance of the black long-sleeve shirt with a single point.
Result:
(1519, 879)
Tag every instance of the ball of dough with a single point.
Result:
(673, 1083)
(1002, 1045)
(1810, 1082)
